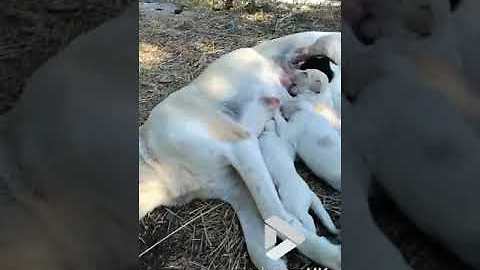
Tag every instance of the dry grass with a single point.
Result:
(174, 49)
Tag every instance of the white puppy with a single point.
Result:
(313, 80)
(313, 131)
(295, 194)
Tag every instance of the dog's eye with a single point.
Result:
(454, 4)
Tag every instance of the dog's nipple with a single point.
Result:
(271, 102)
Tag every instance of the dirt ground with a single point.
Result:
(174, 49)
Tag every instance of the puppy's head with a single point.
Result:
(309, 80)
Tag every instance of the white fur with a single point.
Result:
(314, 136)
(293, 191)
(195, 150)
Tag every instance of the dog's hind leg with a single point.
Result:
(252, 225)
(248, 160)
(152, 192)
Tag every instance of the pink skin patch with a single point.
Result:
(286, 80)
(301, 55)
(272, 103)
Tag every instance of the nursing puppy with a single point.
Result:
(314, 81)
(295, 194)
(202, 142)
(313, 132)
(327, 82)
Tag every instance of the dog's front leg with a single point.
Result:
(253, 226)
(247, 159)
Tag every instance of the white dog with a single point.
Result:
(201, 142)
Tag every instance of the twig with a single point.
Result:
(177, 230)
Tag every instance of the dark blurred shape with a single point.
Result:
(321, 63)
(454, 4)
(33, 31)
(411, 125)
(68, 155)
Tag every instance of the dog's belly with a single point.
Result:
(178, 161)
(175, 182)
